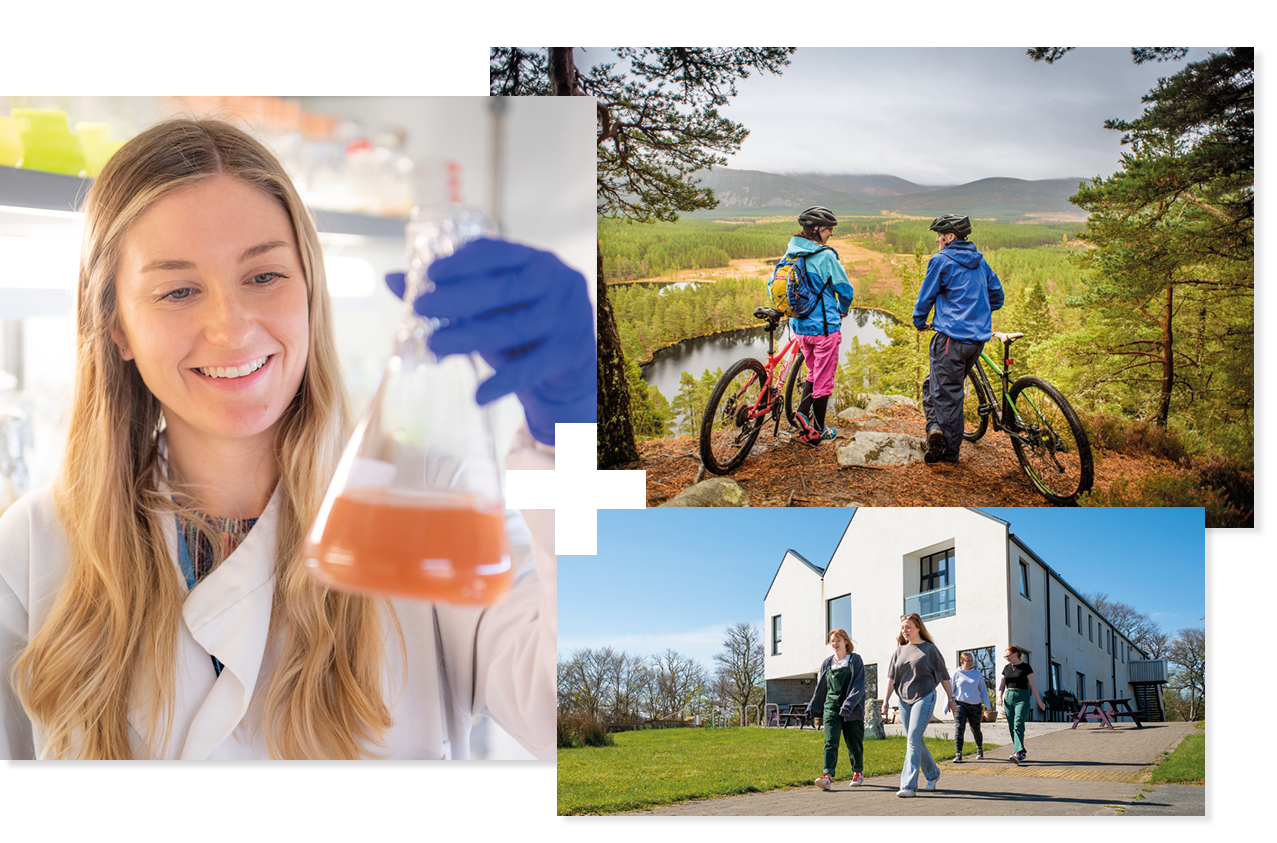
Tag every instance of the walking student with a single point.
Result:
(839, 701)
(915, 670)
(1013, 696)
(820, 332)
(972, 696)
(964, 292)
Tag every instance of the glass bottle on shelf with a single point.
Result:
(415, 508)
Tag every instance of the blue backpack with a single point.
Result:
(790, 288)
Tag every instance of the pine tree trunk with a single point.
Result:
(1168, 359)
(616, 446)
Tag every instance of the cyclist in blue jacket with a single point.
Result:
(964, 291)
(820, 332)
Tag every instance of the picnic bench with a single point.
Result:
(786, 714)
(1094, 710)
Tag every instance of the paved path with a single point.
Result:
(1084, 772)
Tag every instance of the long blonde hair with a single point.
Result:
(111, 636)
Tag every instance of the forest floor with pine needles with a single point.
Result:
(780, 471)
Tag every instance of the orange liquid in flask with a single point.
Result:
(442, 549)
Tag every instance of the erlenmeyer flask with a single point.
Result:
(415, 508)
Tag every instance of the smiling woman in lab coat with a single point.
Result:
(153, 601)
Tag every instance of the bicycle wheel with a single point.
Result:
(1051, 444)
(974, 424)
(794, 389)
(733, 417)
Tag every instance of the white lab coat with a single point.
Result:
(461, 661)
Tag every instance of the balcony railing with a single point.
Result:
(932, 604)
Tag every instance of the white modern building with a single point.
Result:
(978, 588)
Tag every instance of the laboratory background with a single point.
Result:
(360, 163)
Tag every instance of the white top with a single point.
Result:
(461, 661)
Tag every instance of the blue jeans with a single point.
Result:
(916, 716)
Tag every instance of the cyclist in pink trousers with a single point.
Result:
(820, 332)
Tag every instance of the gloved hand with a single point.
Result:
(528, 315)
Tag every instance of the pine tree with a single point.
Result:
(658, 125)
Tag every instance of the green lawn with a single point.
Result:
(1187, 763)
(662, 766)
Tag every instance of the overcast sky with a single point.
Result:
(940, 116)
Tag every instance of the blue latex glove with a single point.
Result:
(528, 315)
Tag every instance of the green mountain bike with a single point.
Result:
(1044, 429)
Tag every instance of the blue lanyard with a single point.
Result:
(188, 569)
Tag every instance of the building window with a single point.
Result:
(1090, 627)
(985, 663)
(1081, 687)
(1108, 640)
(1079, 620)
(936, 571)
(1024, 580)
(776, 635)
(838, 614)
(1057, 683)
(1067, 622)
(935, 597)
(1099, 690)
(871, 681)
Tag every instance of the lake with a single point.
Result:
(719, 351)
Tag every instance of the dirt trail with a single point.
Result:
(781, 472)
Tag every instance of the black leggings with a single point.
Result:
(967, 713)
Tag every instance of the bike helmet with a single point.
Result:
(952, 224)
(817, 217)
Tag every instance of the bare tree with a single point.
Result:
(585, 681)
(678, 682)
(740, 666)
(627, 678)
(1135, 625)
(1156, 644)
(1188, 657)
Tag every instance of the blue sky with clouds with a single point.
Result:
(677, 577)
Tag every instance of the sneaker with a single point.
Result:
(979, 755)
(1015, 759)
(857, 780)
(904, 792)
(829, 434)
(931, 785)
(957, 758)
(823, 782)
(1024, 756)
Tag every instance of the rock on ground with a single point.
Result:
(717, 491)
(874, 448)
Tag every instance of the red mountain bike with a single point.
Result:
(747, 396)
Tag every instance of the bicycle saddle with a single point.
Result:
(1006, 337)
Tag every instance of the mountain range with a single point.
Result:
(872, 195)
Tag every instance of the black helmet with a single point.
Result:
(817, 217)
(952, 224)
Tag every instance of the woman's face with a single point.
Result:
(909, 630)
(967, 662)
(1011, 657)
(840, 646)
(213, 309)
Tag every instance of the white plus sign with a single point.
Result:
(576, 490)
